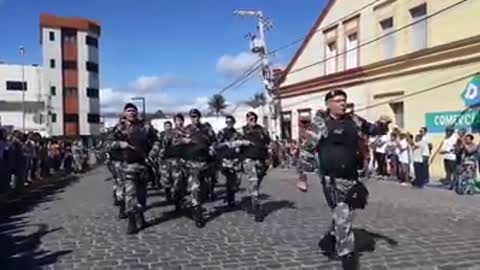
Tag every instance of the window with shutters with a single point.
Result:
(351, 28)
(70, 92)
(388, 41)
(91, 41)
(351, 47)
(16, 86)
(92, 67)
(92, 92)
(70, 117)
(53, 91)
(330, 50)
(53, 117)
(398, 112)
(69, 64)
(93, 118)
(419, 29)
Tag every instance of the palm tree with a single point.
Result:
(217, 104)
(258, 100)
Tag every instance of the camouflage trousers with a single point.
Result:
(231, 169)
(196, 172)
(118, 182)
(255, 170)
(135, 178)
(335, 191)
(173, 174)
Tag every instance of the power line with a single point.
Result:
(379, 37)
(419, 92)
(400, 98)
(288, 45)
(242, 78)
(246, 73)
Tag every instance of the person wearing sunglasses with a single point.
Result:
(337, 133)
(173, 171)
(137, 141)
(230, 158)
(198, 154)
(255, 161)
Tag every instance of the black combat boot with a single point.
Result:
(257, 210)
(350, 262)
(230, 200)
(121, 210)
(140, 218)
(168, 195)
(132, 224)
(198, 216)
(116, 201)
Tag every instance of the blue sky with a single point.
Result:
(176, 53)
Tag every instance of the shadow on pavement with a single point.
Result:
(267, 207)
(365, 241)
(19, 246)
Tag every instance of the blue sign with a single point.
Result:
(471, 94)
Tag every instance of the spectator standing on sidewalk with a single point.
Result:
(404, 159)
(418, 162)
(380, 150)
(449, 156)
(427, 152)
(5, 160)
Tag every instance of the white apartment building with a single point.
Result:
(62, 96)
(33, 93)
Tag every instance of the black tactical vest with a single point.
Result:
(338, 152)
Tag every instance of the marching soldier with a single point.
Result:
(198, 153)
(114, 162)
(165, 170)
(173, 162)
(255, 163)
(230, 159)
(137, 140)
(337, 134)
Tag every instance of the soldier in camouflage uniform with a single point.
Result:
(228, 152)
(113, 162)
(164, 169)
(337, 134)
(255, 162)
(173, 162)
(197, 154)
(138, 141)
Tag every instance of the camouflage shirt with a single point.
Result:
(136, 140)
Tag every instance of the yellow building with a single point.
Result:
(410, 59)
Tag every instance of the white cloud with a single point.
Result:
(146, 83)
(235, 65)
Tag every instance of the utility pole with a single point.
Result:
(258, 45)
(144, 113)
(24, 88)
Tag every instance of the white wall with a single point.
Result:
(36, 92)
(85, 80)
(53, 77)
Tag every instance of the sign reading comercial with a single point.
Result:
(469, 119)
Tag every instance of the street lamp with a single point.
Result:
(24, 88)
(143, 106)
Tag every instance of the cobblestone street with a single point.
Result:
(71, 224)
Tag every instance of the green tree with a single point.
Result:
(217, 104)
(257, 100)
